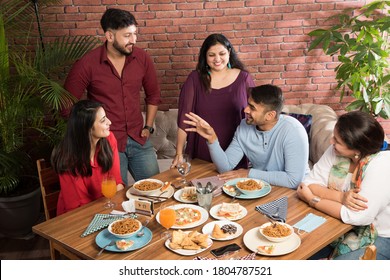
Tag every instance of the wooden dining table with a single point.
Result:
(66, 229)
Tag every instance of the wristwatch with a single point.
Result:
(314, 201)
(151, 129)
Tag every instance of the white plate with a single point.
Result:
(188, 252)
(178, 197)
(132, 193)
(266, 189)
(203, 212)
(253, 239)
(208, 229)
(214, 213)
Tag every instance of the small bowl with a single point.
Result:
(155, 191)
(273, 238)
(125, 235)
(250, 192)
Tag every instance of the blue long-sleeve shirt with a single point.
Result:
(278, 156)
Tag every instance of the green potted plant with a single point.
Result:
(31, 95)
(360, 39)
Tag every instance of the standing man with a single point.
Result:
(276, 145)
(113, 74)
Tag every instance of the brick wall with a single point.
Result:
(270, 37)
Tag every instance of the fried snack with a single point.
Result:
(166, 186)
(277, 230)
(266, 249)
(124, 244)
(125, 226)
(178, 236)
(249, 185)
(217, 232)
(189, 193)
(191, 241)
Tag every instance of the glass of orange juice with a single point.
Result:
(167, 219)
(109, 190)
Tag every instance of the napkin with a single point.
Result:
(214, 180)
(129, 205)
(246, 257)
(310, 222)
(271, 208)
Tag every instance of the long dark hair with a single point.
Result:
(73, 153)
(202, 66)
(361, 131)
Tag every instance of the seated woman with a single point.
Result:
(351, 182)
(87, 152)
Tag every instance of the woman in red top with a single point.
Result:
(87, 152)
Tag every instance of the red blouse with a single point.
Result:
(77, 190)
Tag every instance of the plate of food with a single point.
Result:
(222, 230)
(167, 188)
(123, 244)
(257, 243)
(186, 195)
(188, 243)
(187, 216)
(229, 211)
(259, 188)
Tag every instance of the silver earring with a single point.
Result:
(357, 156)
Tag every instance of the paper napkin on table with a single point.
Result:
(214, 180)
(310, 222)
(273, 207)
(129, 205)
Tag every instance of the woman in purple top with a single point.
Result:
(216, 91)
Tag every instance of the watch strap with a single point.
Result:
(150, 128)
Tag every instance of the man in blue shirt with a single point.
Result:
(276, 145)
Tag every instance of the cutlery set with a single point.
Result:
(206, 189)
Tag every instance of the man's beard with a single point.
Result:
(121, 50)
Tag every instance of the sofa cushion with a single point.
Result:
(304, 119)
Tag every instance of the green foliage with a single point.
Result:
(360, 39)
(30, 87)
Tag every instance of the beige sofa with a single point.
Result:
(323, 122)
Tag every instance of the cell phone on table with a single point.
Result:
(224, 250)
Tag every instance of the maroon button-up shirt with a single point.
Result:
(121, 95)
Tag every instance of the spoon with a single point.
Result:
(141, 232)
(109, 244)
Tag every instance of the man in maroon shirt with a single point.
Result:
(113, 74)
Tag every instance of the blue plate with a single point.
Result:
(104, 237)
(266, 189)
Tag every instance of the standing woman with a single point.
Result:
(351, 182)
(87, 152)
(217, 92)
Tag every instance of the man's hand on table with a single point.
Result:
(240, 173)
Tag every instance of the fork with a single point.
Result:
(109, 244)
(237, 193)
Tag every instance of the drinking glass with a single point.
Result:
(167, 219)
(109, 190)
(184, 167)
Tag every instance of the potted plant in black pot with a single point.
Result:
(31, 95)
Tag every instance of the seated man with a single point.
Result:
(276, 145)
